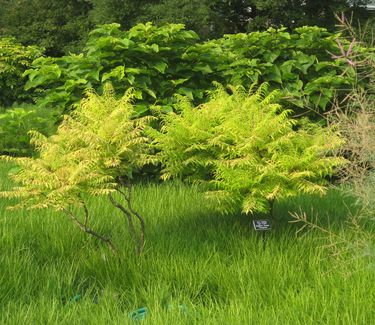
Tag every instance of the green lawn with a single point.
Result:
(197, 268)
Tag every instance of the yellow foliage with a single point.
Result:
(92, 148)
(247, 149)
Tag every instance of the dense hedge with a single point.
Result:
(161, 61)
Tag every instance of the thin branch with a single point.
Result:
(86, 211)
(311, 225)
(129, 218)
(88, 230)
(135, 213)
(75, 219)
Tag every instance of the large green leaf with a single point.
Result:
(160, 66)
(116, 73)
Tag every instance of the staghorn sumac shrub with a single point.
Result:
(246, 149)
(95, 151)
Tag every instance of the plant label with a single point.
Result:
(262, 225)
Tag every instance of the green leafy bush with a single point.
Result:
(15, 124)
(247, 149)
(14, 60)
(161, 61)
(138, 58)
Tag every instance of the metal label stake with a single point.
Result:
(262, 226)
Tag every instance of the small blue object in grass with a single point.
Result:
(262, 225)
(76, 298)
(72, 300)
(138, 314)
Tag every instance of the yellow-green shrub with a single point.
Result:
(246, 148)
(94, 152)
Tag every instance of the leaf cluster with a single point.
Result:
(14, 60)
(15, 124)
(159, 62)
(92, 148)
(246, 149)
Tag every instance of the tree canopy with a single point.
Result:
(61, 26)
(58, 26)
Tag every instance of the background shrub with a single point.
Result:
(14, 60)
(15, 124)
(161, 61)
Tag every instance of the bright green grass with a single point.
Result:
(214, 265)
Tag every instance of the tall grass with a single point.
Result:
(197, 268)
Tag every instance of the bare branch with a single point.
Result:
(129, 217)
(136, 214)
(88, 230)
(86, 211)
